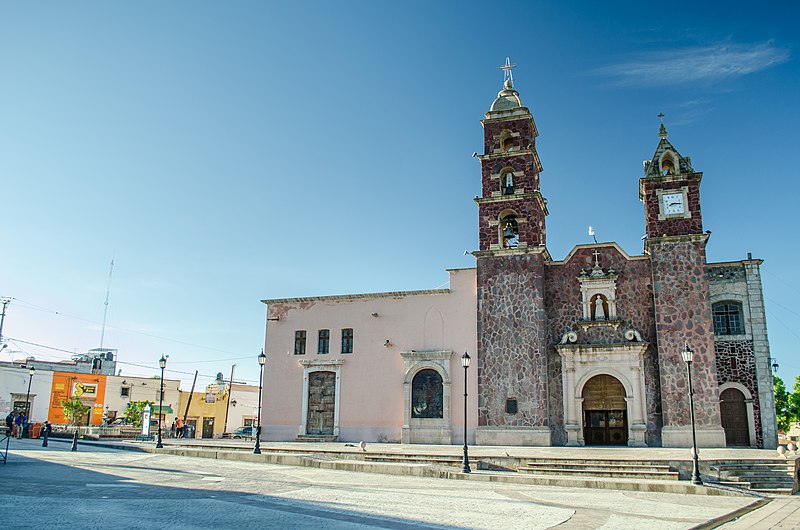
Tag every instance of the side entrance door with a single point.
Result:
(733, 412)
(321, 403)
(208, 427)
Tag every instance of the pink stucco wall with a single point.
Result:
(371, 401)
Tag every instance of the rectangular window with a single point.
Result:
(324, 342)
(511, 406)
(125, 391)
(347, 340)
(300, 342)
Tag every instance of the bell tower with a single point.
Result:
(670, 191)
(512, 352)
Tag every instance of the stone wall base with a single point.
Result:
(535, 436)
(682, 437)
(428, 435)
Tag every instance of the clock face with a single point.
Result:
(673, 203)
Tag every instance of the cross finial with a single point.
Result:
(596, 258)
(507, 68)
(661, 117)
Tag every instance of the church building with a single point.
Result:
(583, 350)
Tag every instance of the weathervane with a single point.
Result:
(507, 68)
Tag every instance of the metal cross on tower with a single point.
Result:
(507, 70)
(661, 117)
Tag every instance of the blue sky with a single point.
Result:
(223, 153)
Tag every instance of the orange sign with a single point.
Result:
(89, 388)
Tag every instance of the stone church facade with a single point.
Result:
(580, 351)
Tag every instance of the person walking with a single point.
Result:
(178, 427)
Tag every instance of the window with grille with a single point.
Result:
(728, 318)
(300, 342)
(347, 340)
(324, 342)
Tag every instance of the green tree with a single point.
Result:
(782, 412)
(134, 412)
(794, 402)
(75, 411)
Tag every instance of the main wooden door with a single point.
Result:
(321, 403)
(733, 411)
(605, 417)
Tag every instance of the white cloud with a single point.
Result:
(699, 64)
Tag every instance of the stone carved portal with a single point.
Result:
(321, 403)
(321, 391)
(619, 398)
(426, 389)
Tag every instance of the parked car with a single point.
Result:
(245, 432)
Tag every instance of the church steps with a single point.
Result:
(609, 473)
(768, 477)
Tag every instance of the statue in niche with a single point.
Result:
(598, 309)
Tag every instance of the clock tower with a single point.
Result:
(676, 244)
(512, 347)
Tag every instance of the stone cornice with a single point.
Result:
(365, 296)
(756, 261)
(662, 240)
(537, 195)
(430, 355)
(573, 349)
(321, 362)
(512, 252)
(611, 244)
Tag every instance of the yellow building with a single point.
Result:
(206, 411)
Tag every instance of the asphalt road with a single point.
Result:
(103, 488)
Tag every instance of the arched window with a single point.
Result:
(507, 182)
(509, 231)
(668, 164)
(506, 141)
(427, 395)
(728, 318)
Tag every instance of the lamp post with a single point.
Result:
(262, 360)
(688, 355)
(465, 359)
(162, 362)
(31, 371)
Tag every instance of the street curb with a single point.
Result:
(101, 444)
(716, 522)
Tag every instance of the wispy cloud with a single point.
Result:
(699, 64)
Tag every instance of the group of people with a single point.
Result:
(15, 422)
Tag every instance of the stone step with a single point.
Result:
(775, 491)
(316, 438)
(421, 459)
(599, 461)
(762, 466)
(619, 466)
(655, 475)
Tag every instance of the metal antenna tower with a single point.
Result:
(105, 311)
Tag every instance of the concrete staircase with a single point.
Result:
(316, 438)
(619, 469)
(774, 477)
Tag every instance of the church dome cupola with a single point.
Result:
(507, 99)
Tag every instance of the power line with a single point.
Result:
(46, 310)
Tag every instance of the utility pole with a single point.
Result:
(228, 406)
(5, 301)
(105, 311)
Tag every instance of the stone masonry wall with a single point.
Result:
(634, 307)
(683, 312)
(524, 163)
(736, 364)
(673, 225)
(511, 340)
(530, 222)
(493, 129)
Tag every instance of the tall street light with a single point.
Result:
(465, 359)
(262, 360)
(162, 362)
(28, 397)
(688, 356)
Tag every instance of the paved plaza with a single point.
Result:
(104, 488)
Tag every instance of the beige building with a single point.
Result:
(123, 390)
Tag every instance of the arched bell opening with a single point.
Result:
(509, 231)
(507, 182)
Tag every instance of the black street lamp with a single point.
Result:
(262, 360)
(31, 371)
(162, 362)
(688, 356)
(465, 359)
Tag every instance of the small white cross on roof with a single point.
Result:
(507, 68)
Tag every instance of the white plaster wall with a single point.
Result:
(371, 400)
(15, 380)
(141, 389)
(246, 398)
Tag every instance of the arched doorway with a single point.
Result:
(733, 412)
(605, 415)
